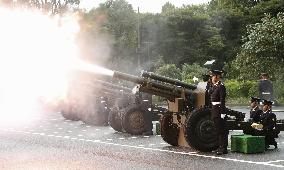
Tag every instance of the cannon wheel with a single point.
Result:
(134, 120)
(69, 112)
(169, 130)
(200, 131)
(115, 120)
(95, 115)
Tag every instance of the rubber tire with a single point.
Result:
(169, 130)
(114, 120)
(69, 112)
(95, 115)
(142, 125)
(200, 121)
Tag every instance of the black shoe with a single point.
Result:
(275, 145)
(148, 133)
(266, 147)
(222, 151)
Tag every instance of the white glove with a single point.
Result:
(257, 126)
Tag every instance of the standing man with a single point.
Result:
(265, 87)
(255, 112)
(218, 96)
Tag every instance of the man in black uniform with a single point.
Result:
(255, 112)
(268, 120)
(265, 87)
(218, 96)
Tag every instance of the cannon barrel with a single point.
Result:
(151, 75)
(128, 77)
(169, 91)
(111, 87)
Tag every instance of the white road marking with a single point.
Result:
(146, 136)
(121, 138)
(185, 153)
(79, 135)
(162, 143)
(42, 134)
(133, 137)
(140, 145)
(60, 128)
(66, 136)
(275, 161)
(84, 130)
(88, 126)
(69, 131)
(98, 129)
(151, 144)
(109, 139)
(55, 132)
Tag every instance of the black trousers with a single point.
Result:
(270, 135)
(222, 132)
(221, 127)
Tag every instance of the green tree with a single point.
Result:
(272, 7)
(266, 39)
(191, 71)
(120, 22)
(262, 50)
(46, 6)
(169, 70)
(189, 36)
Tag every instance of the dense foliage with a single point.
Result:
(47, 6)
(245, 37)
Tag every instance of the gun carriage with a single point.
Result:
(187, 122)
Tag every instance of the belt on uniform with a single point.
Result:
(265, 92)
(215, 103)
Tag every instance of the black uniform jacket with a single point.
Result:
(255, 114)
(268, 120)
(218, 94)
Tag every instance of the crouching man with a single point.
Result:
(267, 125)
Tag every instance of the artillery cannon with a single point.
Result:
(90, 100)
(98, 102)
(188, 119)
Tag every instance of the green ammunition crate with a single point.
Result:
(158, 128)
(247, 143)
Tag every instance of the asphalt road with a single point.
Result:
(48, 141)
